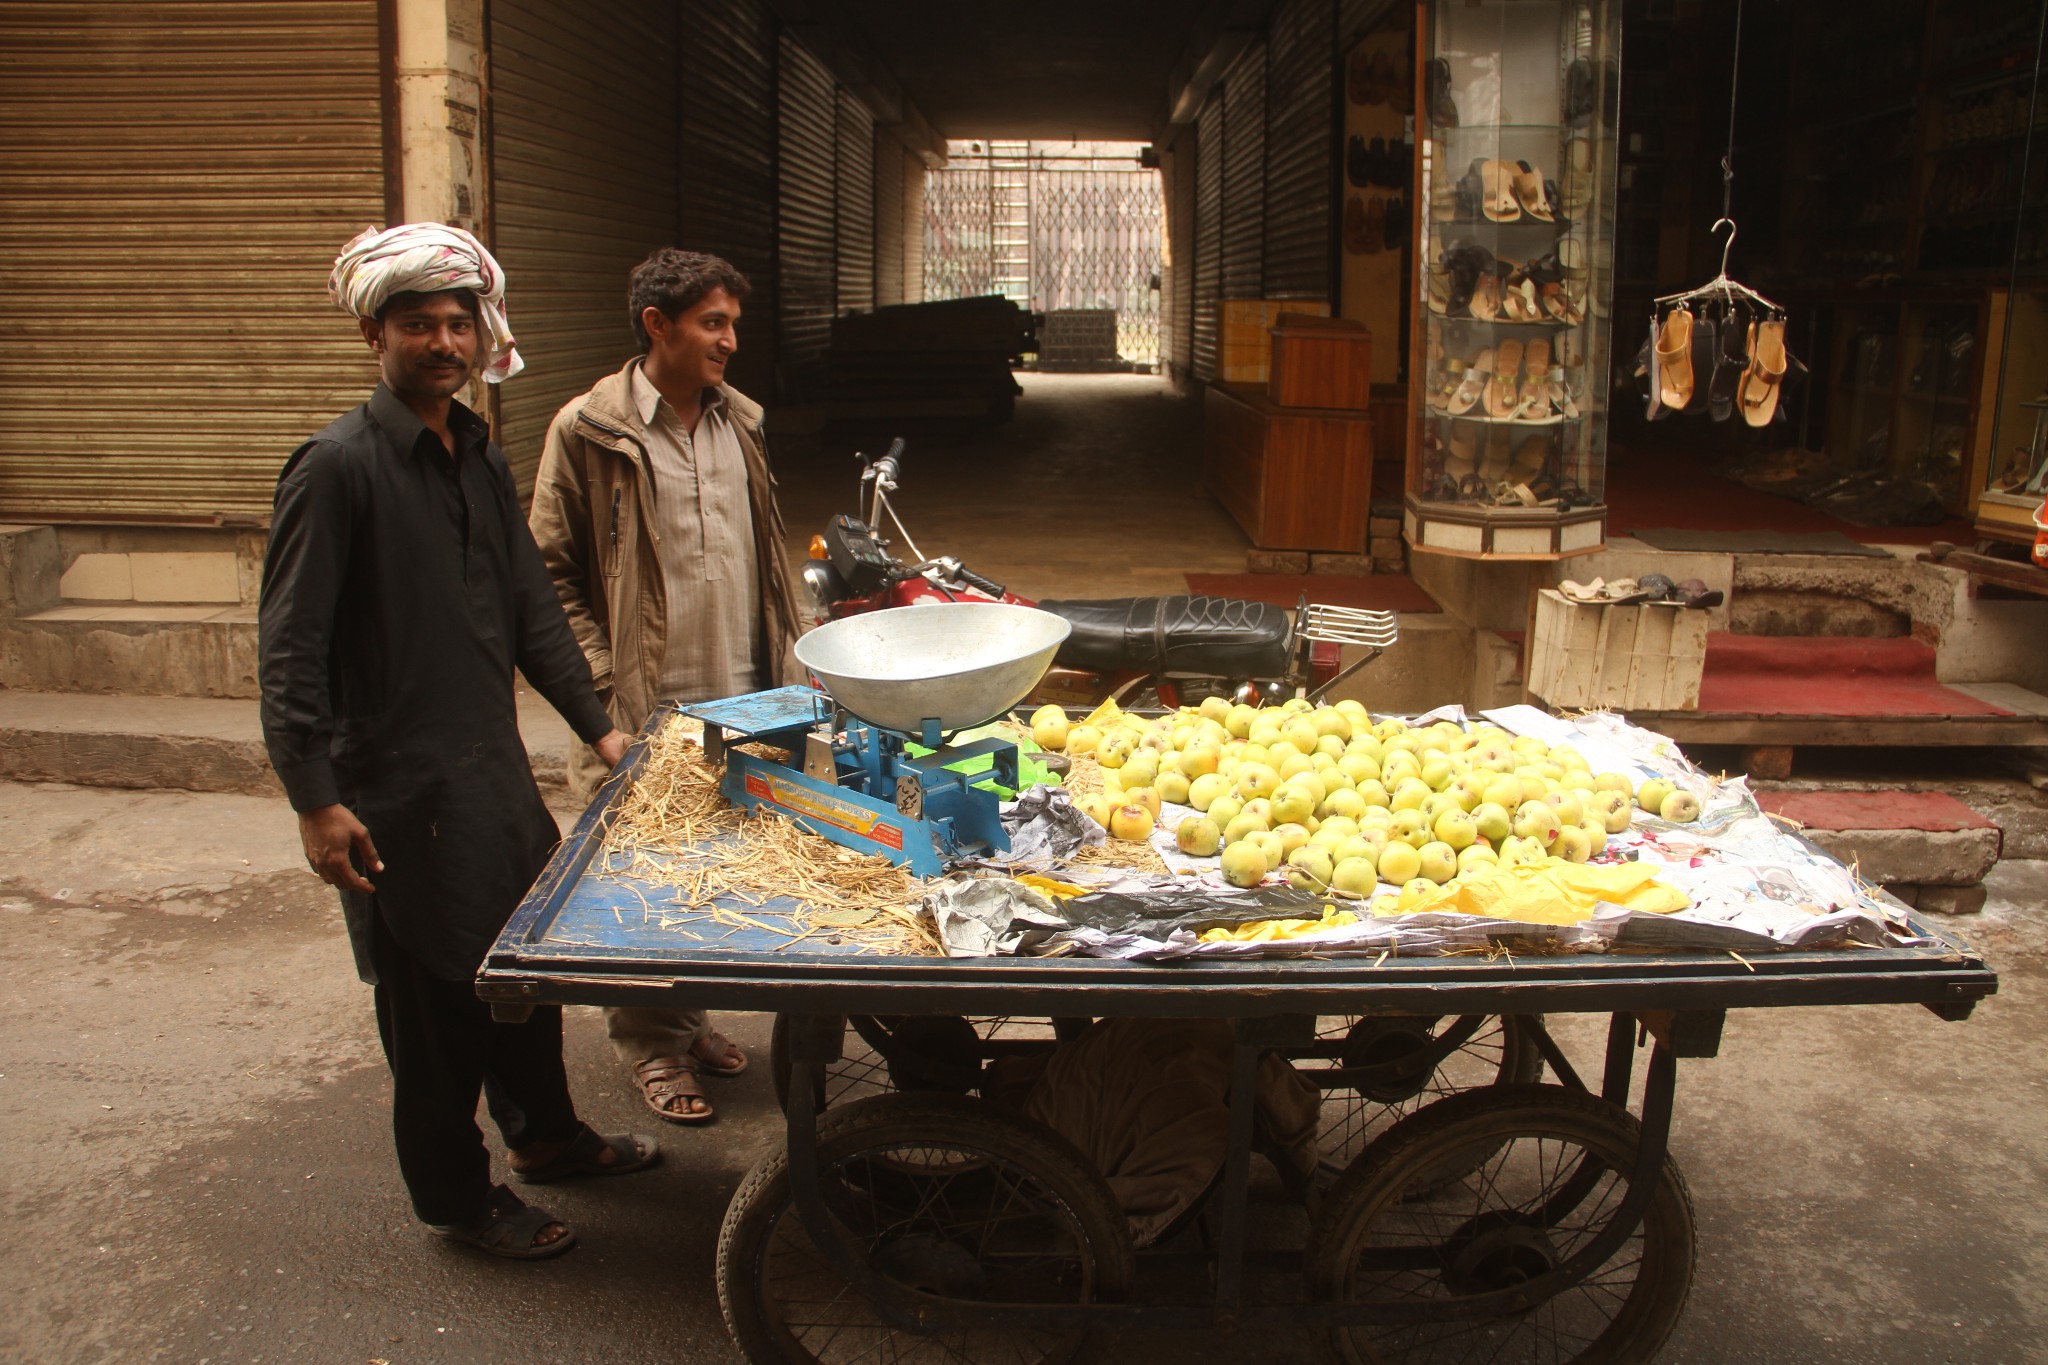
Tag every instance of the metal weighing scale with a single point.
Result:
(893, 678)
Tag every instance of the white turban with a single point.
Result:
(427, 258)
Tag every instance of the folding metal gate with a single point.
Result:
(1068, 227)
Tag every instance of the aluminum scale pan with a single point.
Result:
(959, 663)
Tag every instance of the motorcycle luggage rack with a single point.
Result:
(1325, 624)
(1347, 625)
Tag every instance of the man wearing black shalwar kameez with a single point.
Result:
(400, 591)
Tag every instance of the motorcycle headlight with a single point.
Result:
(821, 584)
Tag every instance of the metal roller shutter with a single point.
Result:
(913, 227)
(726, 80)
(1244, 175)
(806, 159)
(854, 206)
(1300, 166)
(1177, 172)
(889, 158)
(1208, 233)
(193, 167)
(583, 159)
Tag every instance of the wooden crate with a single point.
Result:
(1321, 363)
(1245, 345)
(1646, 658)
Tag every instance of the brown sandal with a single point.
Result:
(717, 1055)
(667, 1082)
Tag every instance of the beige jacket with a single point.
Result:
(592, 518)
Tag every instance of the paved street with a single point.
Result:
(194, 1112)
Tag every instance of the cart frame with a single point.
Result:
(1675, 1001)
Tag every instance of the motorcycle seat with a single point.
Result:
(1213, 637)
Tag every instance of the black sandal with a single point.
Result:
(507, 1227)
(585, 1157)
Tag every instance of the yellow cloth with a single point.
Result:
(1049, 888)
(1555, 891)
(1109, 716)
(1271, 930)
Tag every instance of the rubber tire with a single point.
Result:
(889, 1120)
(1502, 1113)
(1521, 1064)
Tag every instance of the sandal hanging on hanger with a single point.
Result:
(1764, 381)
(1674, 360)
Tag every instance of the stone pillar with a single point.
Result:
(440, 58)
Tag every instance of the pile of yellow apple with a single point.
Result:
(1340, 802)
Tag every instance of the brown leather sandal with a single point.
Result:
(666, 1083)
(717, 1055)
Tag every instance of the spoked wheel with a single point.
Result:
(1545, 1169)
(932, 1053)
(1485, 1050)
(933, 1192)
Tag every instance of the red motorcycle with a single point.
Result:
(1178, 649)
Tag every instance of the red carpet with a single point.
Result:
(1780, 675)
(1652, 488)
(1873, 810)
(1368, 592)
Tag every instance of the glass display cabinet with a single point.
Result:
(2015, 463)
(1516, 109)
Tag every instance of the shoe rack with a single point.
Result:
(1515, 112)
(1909, 204)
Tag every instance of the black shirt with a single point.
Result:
(400, 590)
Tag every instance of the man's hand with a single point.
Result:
(612, 747)
(329, 834)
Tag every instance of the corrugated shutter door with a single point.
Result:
(1208, 232)
(1177, 169)
(854, 215)
(1244, 174)
(889, 159)
(726, 78)
(583, 158)
(806, 139)
(175, 180)
(1300, 164)
(913, 228)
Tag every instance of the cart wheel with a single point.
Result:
(1499, 1051)
(937, 1192)
(1553, 1167)
(940, 1054)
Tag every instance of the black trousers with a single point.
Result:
(443, 1048)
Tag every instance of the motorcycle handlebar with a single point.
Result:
(975, 580)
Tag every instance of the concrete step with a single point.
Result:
(204, 744)
(194, 650)
(1895, 838)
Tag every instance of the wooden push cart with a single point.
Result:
(1520, 1210)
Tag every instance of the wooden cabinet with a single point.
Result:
(1295, 478)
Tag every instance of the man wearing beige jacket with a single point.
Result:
(655, 514)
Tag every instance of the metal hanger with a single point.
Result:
(1721, 287)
